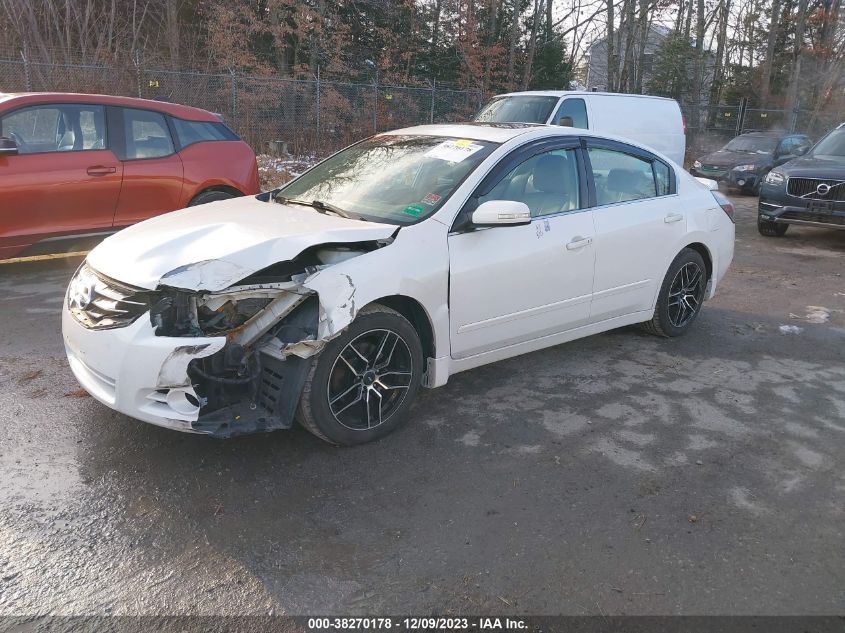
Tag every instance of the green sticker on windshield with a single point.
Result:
(415, 210)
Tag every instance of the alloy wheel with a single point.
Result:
(686, 294)
(369, 379)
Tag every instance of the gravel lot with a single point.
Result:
(617, 474)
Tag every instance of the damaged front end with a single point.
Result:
(273, 324)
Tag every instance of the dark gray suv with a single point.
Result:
(809, 190)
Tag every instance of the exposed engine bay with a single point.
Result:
(271, 324)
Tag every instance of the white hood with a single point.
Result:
(212, 246)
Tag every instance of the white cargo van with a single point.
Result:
(653, 121)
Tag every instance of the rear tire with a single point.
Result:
(210, 196)
(362, 384)
(681, 296)
(771, 229)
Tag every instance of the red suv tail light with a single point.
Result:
(726, 204)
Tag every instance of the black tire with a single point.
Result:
(210, 196)
(373, 324)
(666, 321)
(771, 229)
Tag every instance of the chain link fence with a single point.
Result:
(274, 114)
(716, 125)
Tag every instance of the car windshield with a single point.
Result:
(398, 179)
(518, 109)
(831, 145)
(752, 145)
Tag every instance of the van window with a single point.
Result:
(575, 109)
(517, 109)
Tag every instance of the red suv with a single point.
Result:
(73, 163)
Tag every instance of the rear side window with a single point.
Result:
(56, 128)
(621, 177)
(146, 134)
(576, 110)
(190, 132)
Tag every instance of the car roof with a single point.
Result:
(174, 109)
(564, 93)
(502, 132)
(492, 132)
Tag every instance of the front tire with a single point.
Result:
(210, 196)
(681, 296)
(771, 229)
(362, 384)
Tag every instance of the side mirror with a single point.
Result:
(501, 213)
(801, 151)
(566, 121)
(8, 147)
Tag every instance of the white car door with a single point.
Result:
(639, 226)
(511, 284)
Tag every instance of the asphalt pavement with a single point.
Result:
(619, 474)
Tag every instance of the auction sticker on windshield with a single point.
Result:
(454, 151)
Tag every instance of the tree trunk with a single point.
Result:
(721, 44)
(512, 47)
(699, 65)
(766, 70)
(611, 75)
(800, 23)
(435, 34)
(532, 44)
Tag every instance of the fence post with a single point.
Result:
(234, 92)
(136, 59)
(27, 71)
(433, 89)
(319, 126)
(375, 104)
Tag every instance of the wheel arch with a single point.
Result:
(219, 187)
(416, 314)
(702, 250)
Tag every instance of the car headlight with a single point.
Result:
(745, 168)
(696, 164)
(80, 291)
(177, 313)
(775, 178)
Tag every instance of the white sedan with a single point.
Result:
(390, 266)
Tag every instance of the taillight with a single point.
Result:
(726, 204)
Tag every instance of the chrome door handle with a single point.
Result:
(673, 217)
(579, 242)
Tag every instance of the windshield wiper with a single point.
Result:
(318, 205)
(325, 206)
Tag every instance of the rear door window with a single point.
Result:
(146, 134)
(575, 109)
(621, 177)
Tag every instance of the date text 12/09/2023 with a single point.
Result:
(429, 623)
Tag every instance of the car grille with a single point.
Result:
(100, 303)
(807, 188)
(821, 218)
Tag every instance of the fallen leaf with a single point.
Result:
(79, 393)
(30, 375)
